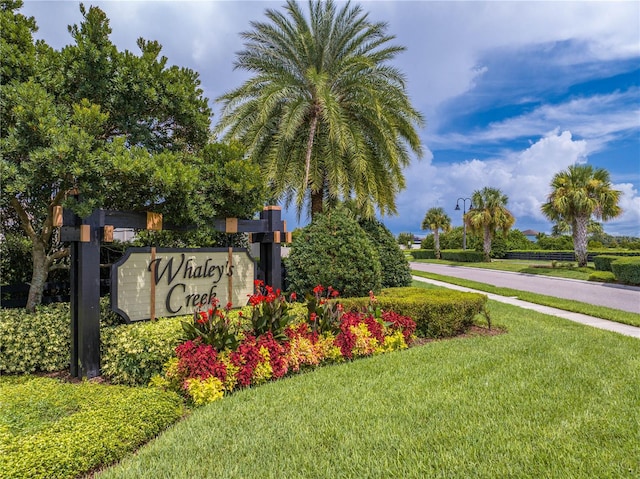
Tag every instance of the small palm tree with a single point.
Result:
(578, 193)
(324, 113)
(435, 220)
(489, 214)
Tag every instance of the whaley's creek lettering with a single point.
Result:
(179, 272)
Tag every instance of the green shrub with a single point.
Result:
(41, 341)
(15, 259)
(428, 242)
(627, 270)
(50, 429)
(564, 242)
(603, 277)
(423, 254)
(333, 251)
(463, 256)
(108, 317)
(437, 313)
(35, 342)
(133, 353)
(603, 262)
(395, 270)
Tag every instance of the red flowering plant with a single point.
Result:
(212, 326)
(270, 312)
(397, 322)
(323, 314)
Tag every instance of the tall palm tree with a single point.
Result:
(324, 112)
(488, 215)
(578, 193)
(562, 227)
(435, 220)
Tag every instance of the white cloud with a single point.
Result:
(524, 176)
(627, 224)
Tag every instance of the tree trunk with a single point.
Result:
(317, 202)
(487, 245)
(580, 240)
(38, 276)
(436, 240)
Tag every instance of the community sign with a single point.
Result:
(148, 283)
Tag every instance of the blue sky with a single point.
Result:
(512, 92)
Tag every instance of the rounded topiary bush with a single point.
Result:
(333, 251)
(395, 270)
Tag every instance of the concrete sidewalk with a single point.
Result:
(576, 317)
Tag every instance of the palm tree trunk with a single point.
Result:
(580, 239)
(312, 134)
(487, 245)
(317, 205)
(436, 240)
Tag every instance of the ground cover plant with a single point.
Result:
(603, 312)
(551, 398)
(50, 429)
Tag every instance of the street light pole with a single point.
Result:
(464, 223)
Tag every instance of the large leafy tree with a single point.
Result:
(489, 215)
(435, 220)
(325, 113)
(126, 131)
(579, 194)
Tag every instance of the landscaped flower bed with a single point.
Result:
(219, 356)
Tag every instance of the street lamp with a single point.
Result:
(464, 223)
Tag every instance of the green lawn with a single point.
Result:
(603, 312)
(545, 268)
(550, 398)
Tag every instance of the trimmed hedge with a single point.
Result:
(438, 314)
(50, 429)
(603, 263)
(132, 354)
(35, 342)
(463, 256)
(460, 255)
(627, 270)
(423, 253)
(41, 341)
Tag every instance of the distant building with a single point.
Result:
(531, 234)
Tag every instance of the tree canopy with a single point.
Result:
(489, 215)
(435, 219)
(126, 131)
(324, 113)
(579, 194)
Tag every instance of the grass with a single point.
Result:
(549, 399)
(603, 312)
(543, 268)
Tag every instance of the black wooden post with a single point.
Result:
(84, 235)
(270, 260)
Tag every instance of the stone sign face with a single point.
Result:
(162, 282)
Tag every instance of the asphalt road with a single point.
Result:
(626, 298)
